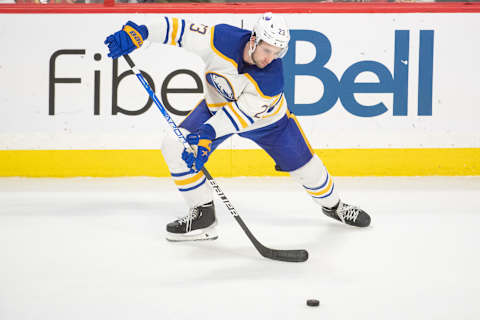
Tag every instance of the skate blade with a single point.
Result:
(197, 235)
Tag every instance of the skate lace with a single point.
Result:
(188, 219)
(348, 212)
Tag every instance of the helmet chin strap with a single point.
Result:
(251, 49)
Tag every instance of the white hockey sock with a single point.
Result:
(316, 180)
(192, 186)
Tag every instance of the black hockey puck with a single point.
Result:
(313, 303)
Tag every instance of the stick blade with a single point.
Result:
(300, 255)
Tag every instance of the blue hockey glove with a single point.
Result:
(126, 40)
(202, 143)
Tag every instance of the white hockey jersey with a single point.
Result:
(242, 97)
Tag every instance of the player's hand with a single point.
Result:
(126, 40)
(201, 143)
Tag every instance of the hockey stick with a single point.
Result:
(282, 255)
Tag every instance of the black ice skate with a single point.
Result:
(348, 214)
(199, 224)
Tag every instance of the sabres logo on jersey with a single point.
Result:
(222, 85)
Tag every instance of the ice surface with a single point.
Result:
(90, 248)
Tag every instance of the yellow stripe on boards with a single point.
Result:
(82, 163)
(234, 163)
(174, 31)
(193, 179)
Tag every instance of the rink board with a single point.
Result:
(377, 92)
(235, 163)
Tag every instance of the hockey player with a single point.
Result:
(244, 96)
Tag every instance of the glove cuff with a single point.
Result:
(137, 34)
(206, 143)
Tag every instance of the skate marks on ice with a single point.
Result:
(95, 248)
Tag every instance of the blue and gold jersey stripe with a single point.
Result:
(168, 30)
(243, 113)
(216, 105)
(175, 31)
(234, 123)
(237, 116)
(181, 33)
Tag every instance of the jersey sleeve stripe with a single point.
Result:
(168, 31)
(216, 105)
(181, 33)
(230, 117)
(174, 31)
(246, 115)
(237, 116)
